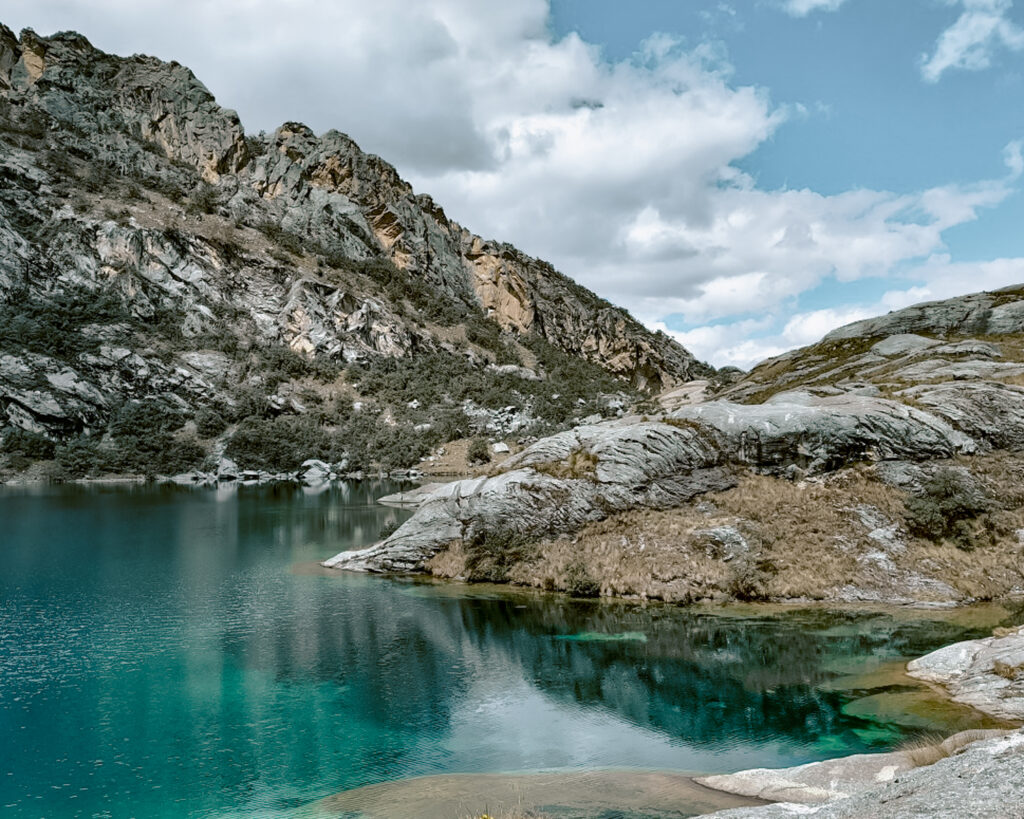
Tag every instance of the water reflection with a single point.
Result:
(157, 653)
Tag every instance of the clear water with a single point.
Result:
(161, 655)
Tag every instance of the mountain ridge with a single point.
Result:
(154, 252)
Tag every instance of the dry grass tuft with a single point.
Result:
(579, 465)
(927, 749)
(924, 750)
(1013, 673)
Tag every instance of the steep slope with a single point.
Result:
(151, 251)
(867, 467)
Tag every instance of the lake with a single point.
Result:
(175, 652)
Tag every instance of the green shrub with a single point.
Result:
(479, 452)
(284, 239)
(490, 554)
(250, 402)
(53, 325)
(210, 423)
(82, 457)
(171, 455)
(945, 509)
(145, 418)
(30, 445)
(277, 444)
(203, 199)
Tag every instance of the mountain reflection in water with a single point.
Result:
(163, 650)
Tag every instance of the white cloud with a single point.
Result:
(969, 44)
(623, 174)
(747, 342)
(801, 8)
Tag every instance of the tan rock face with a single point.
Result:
(33, 59)
(501, 291)
(10, 53)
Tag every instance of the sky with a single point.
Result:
(745, 175)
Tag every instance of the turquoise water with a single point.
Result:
(168, 652)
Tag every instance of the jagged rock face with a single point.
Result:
(330, 188)
(163, 104)
(80, 130)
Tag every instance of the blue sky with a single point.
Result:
(745, 174)
(869, 114)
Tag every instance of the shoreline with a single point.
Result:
(967, 771)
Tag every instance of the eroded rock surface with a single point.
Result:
(986, 674)
(833, 779)
(562, 482)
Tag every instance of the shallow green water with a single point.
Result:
(159, 656)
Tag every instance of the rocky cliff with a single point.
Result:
(877, 465)
(151, 250)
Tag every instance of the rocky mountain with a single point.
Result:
(881, 464)
(156, 260)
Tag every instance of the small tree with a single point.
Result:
(479, 452)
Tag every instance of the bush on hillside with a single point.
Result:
(30, 445)
(479, 452)
(946, 508)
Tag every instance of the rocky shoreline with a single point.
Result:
(891, 449)
(974, 773)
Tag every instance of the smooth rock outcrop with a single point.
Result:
(983, 781)
(832, 779)
(986, 674)
(564, 481)
(990, 313)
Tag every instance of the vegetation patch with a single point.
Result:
(775, 539)
(478, 452)
(950, 506)
(1008, 671)
(491, 554)
(580, 464)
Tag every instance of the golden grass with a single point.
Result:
(928, 749)
(1013, 673)
(804, 540)
(579, 464)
